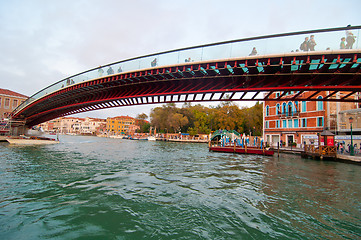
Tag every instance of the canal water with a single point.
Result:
(100, 188)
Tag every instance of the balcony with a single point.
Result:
(295, 114)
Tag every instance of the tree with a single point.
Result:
(200, 119)
(176, 121)
(142, 116)
(142, 122)
(253, 119)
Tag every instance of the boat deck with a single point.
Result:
(241, 150)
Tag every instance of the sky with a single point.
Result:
(45, 41)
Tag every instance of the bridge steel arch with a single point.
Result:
(247, 78)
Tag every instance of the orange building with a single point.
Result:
(121, 125)
(298, 122)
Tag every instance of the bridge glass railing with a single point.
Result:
(325, 40)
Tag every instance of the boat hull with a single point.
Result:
(240, 150)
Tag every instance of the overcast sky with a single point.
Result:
(44, 41)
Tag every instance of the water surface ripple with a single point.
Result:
(99, 188)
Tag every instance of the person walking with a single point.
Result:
(304, 45)
(343, 44)
(350, 39)
(312, 43)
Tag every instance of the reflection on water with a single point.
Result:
(98, 188)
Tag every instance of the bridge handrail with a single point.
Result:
(226, 49)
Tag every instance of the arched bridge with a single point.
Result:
(240, 70)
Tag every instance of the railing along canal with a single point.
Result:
(320, 151)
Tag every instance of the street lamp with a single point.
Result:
(351, 148)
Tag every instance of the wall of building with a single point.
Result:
(300, 121)
(9, 100)
(121, 125)
(73, 125)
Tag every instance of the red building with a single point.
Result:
(296, 122)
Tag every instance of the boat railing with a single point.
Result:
(259, 145)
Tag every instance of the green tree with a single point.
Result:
(177, 121)
(142, 122)
(142, 116)
(200, 119)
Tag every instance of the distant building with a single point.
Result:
(121, 125)
(301, 121)
(9, 100)
(74, 125)
(92, 126)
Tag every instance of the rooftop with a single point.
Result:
(8, 92)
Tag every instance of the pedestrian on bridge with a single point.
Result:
(154, 62)
(110, 71)
(312, 43)
(100, 71)
(350, 39)
(342, 44)
(254, 52)
(304, 45)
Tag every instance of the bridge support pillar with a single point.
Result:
(16, 131)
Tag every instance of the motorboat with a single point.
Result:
(151, 138)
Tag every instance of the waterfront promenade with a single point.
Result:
(345, 157)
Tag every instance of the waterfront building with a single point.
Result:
(92, 126)
(74, 125)
(298, 122)
(9, 100)
(49, 126)
(121, 125)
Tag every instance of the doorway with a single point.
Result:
(289, 140)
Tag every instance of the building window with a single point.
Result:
(267, 110)
(319, 104)
(295, 123)
(320, 122)
(284, 123)
(15, 103)
(284, 108)
(277, 94)
(267, 124)
(290, 123)
(7, 103)
(278, 124)
(304, 122)
(304, 109)
(289, 109)
(277, 109)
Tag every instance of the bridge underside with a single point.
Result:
(243, 79)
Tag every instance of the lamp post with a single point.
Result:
(351, 148)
